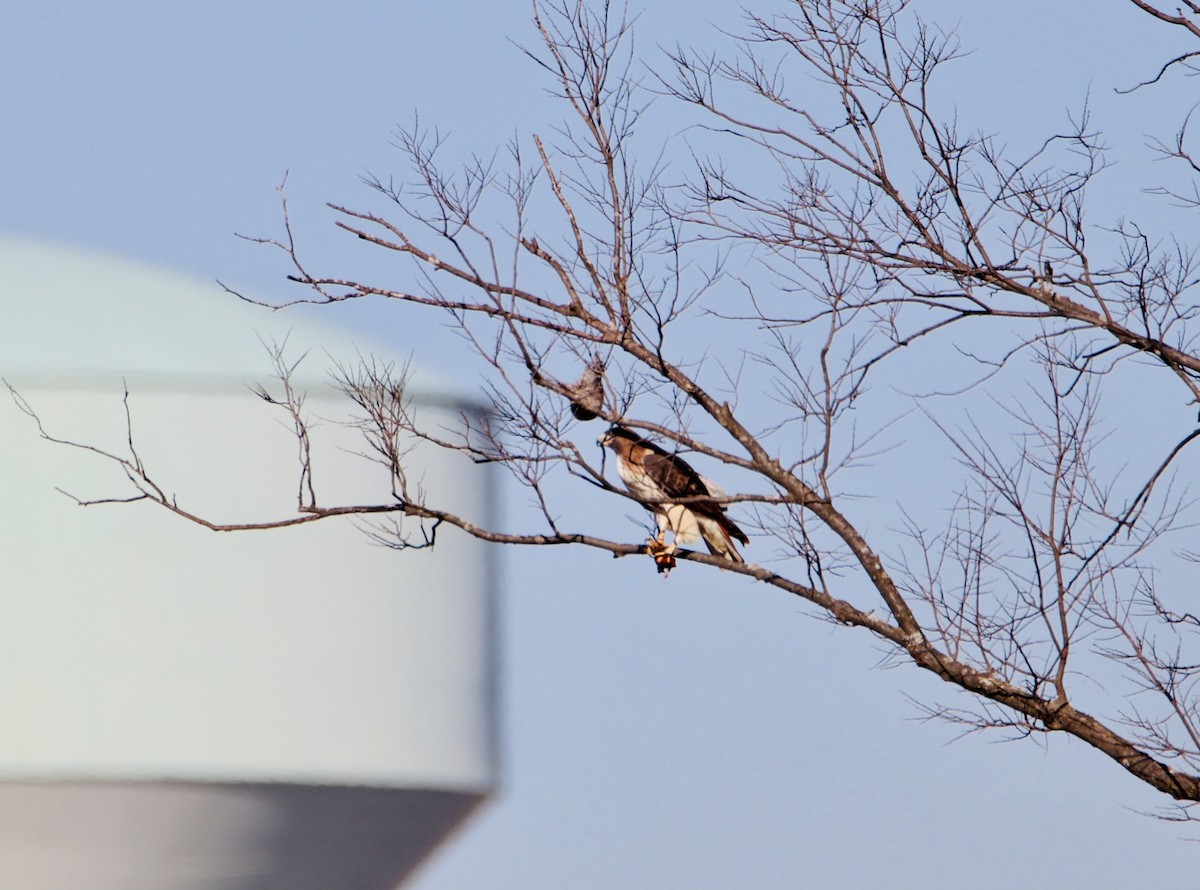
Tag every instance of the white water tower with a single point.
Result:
(187, 710)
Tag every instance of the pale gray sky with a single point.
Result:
(694, 733)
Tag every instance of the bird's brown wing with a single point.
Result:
(676, 479)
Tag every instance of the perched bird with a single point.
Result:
(651, 474)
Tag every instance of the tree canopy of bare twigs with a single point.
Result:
(831, 283)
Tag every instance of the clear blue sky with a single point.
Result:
(694, 733)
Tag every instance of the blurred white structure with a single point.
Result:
(188, 710)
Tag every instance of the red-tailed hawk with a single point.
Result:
(652, 474)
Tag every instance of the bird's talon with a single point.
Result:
(663, 554)
(656, 547)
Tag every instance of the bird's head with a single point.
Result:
(615, 433)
